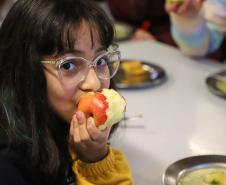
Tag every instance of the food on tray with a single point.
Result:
(106, 107)
(206, 176)
(221, 85)
(123, 31)
(134, 72)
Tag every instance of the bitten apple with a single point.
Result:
(106, 107)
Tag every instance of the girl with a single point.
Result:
(51, 53)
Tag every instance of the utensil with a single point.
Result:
(128, 119)
(134, 117)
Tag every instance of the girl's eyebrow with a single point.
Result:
(102, 48)
(78, 51)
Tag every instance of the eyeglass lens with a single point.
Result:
(75, 69)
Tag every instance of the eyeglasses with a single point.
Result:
(72, 70)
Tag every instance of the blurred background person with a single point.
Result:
(199, 27)
(148, 17)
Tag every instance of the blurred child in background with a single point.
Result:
(147, 16)
(199, 26)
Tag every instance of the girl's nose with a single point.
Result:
(91, 82)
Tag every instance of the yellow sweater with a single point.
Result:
(112, 170)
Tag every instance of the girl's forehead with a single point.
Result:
(86, 35)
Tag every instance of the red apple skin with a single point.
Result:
(94, 105)
(84, 104)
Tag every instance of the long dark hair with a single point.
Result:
(31, 30)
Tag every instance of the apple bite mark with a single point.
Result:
(106, 107)
(117, 107)
(94, 105)
(98, 108)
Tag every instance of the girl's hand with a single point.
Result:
(185, 8)
(87, 140)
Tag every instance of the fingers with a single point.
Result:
(171, 7)
(187, 8)
(96, 134)
(89, 142)
(78, 135)
(198, 4)
(74, 133)
(84, 131)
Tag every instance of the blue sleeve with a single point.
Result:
(216, 38)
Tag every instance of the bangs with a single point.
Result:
(69, 36)
(61, 30)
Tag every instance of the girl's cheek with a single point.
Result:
(105, 84)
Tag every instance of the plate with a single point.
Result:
(183, 166)
(123, 31)
(135, 74)
(215, 85)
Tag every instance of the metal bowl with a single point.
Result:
(212, 83)
(176, 170)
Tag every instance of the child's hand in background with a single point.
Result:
(184, 7)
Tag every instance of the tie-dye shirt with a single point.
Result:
(202, 33)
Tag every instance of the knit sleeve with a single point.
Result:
(112, 170)
(200, 34)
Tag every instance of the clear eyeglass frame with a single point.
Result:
(112, 59)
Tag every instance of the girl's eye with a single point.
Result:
(102, 62)
(69, 65)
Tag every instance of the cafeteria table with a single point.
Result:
(171, 121)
